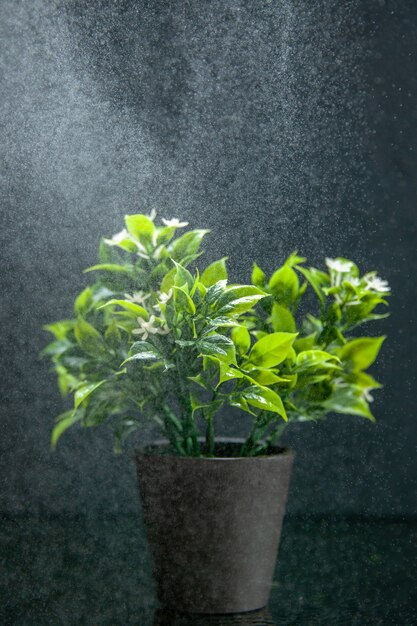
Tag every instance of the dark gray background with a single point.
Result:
(280, 125)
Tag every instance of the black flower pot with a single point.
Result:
(214, 525)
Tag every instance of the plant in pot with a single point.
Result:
(152, 340)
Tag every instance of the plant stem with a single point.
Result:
(271, 440)
(210, 436)
(254, 436)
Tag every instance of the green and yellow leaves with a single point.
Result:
(218, 346)
(265, 399)
(241, 339)
(272, 349)
(84, 391)
(237, 299)
(284, 285)
(143, 351)
(258, 277)
(282, 319)
(214, 272)
(359, 354)
(140, 227)
(131, 307)
(109, 267)
(65, 421)
(89, 339)
(185, 248)
(348, 399)
(242, 345)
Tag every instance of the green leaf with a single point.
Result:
(348, 399)
(272, 349)
(284, 285)
(214, 292)
(361, 353)
(241, 339)
(282, 319)
(164, 235)
(112, 335)
(183, 301)
(56, 347)
(124, 428)
(214, 272)
(143, 351)
(209, 408)
(65, 420)
(168, 280)
(258, 277)
(235, 292)
(109, 267)
(60, 329)
(265, 399)
(240, 402)
(84, 301)
(218, 346)
(198, 380)
(187, 245)
(89, 339)
(82, 393)
(294, 259)
(132, 307)
(317, 280)
(317, 358)
(265, 376)
(140, 226)
(228, 373)
(305, 343)
(238, 299)
(182, 277)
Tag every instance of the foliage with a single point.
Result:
(153, 340)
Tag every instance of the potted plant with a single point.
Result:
(153, 340)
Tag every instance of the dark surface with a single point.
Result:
(98, 573)
(279, 125)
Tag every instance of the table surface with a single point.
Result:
(98, 572)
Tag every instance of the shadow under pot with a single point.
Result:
(213, 525)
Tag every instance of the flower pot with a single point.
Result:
(213, 525)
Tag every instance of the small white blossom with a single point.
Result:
(174, 222)
(338, 265)
(152, 215)
(374, 283)
(138, 297)
(118, 238)
(354, 281)
(147, 328)
(353, 302)
(163, 299)
(368, 397)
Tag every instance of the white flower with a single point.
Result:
(374, 283)
(338, 265)
(175, 222)
(149, 327)
(354, 281)
(118, 238)
(163, 299)
(152, 215)
(138, 297)
(365, 393)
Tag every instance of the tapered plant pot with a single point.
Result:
(213, 525)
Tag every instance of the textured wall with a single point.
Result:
(280, 125)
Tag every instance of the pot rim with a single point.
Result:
(279, 451)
